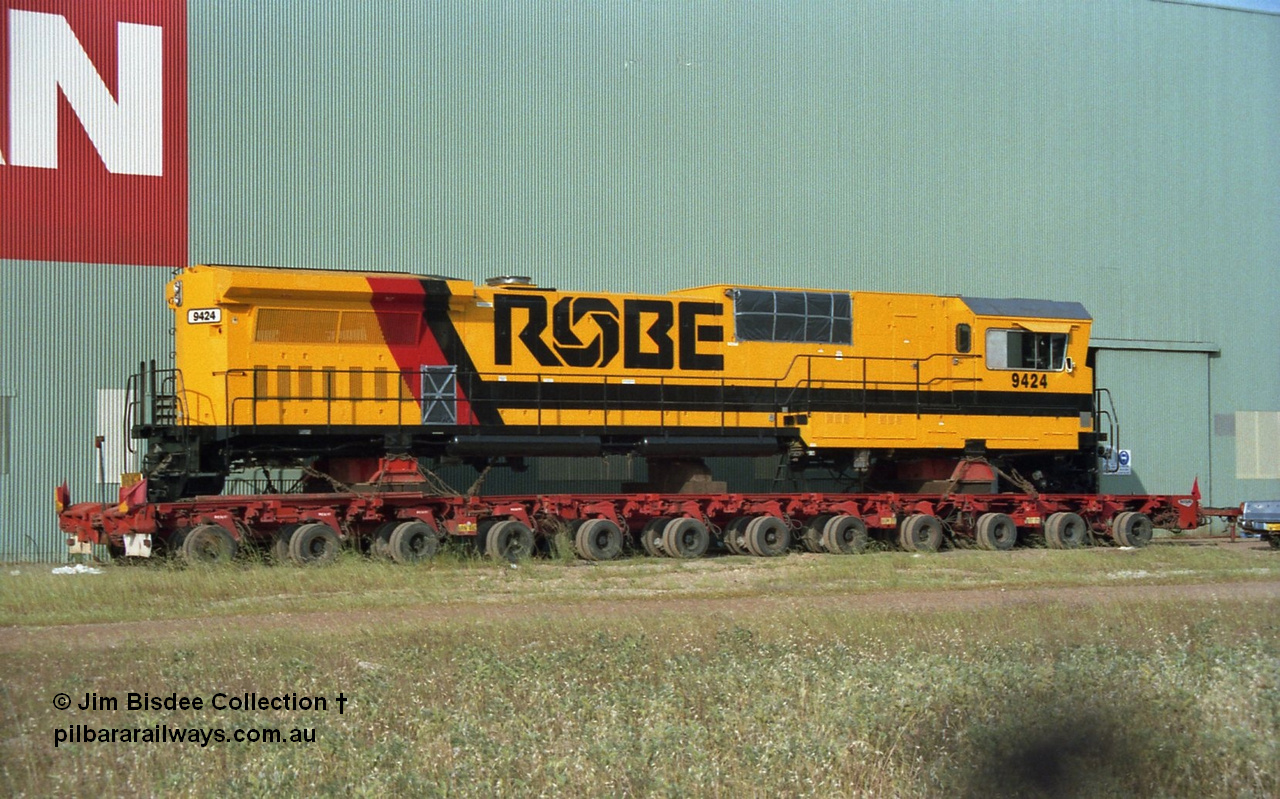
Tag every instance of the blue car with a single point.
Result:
(1262, 519)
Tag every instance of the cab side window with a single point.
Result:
(1025, 350)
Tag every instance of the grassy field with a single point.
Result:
(1034, 673)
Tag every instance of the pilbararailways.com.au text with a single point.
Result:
(164, 734)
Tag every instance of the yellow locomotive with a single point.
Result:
(283, 367)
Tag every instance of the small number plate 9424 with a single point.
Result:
(1030, 380)
(204, 316)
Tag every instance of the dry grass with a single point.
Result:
(728, 677)
(31, 596)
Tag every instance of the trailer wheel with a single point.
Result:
(598, 539)
(1131, 529)
(280, 543)
(996, 531)
(160, 547)
(1142, 529)
(1065, 531)
(844, 535)
(767, 536)
(314, 544)
(412, 541)
(509, 540)
(811, 533)
(685, 537)
(208, 545)
(920, 532)
(380, 541)
(170, 547)
(1117, 532)
(735, 535)
(651, 536)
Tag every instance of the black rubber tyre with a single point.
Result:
(920, 532)
(735, 535)
(685, 537)
(509, 540)
(1065, 531)
(651, 536)
(811, 533)
(380, 541)
(1131, 529)
(314, 544)
(280, 544)
(844, 535)
(996, 531)
(413, 541)
(598, 539)
(171, 546)
(1120, 528)
(160, 547)
(767, 536)
(1141, 530)
(208, 545)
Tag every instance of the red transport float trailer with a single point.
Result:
(924, 408)
(397, 515)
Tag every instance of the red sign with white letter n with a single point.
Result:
(93, 131)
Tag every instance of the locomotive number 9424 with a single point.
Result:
(1030, 380)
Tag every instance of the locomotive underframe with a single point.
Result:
(183, 462)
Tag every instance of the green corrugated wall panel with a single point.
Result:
(1164, 420)
(66, 331)
(1124, 154)
(1028, 148)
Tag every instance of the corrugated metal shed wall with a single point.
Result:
(1167, 426)
(66, 331)
(1124, 154)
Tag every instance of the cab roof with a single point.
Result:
(1031, 309)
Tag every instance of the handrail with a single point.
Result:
(146, 392)
(328, 393)
(795, 395)
(1113, 426)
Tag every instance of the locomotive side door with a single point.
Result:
(965, 347)
(439, 395)
(905, 334)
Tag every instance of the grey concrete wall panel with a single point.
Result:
(1120, 153)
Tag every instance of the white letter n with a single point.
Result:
(45, 56)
